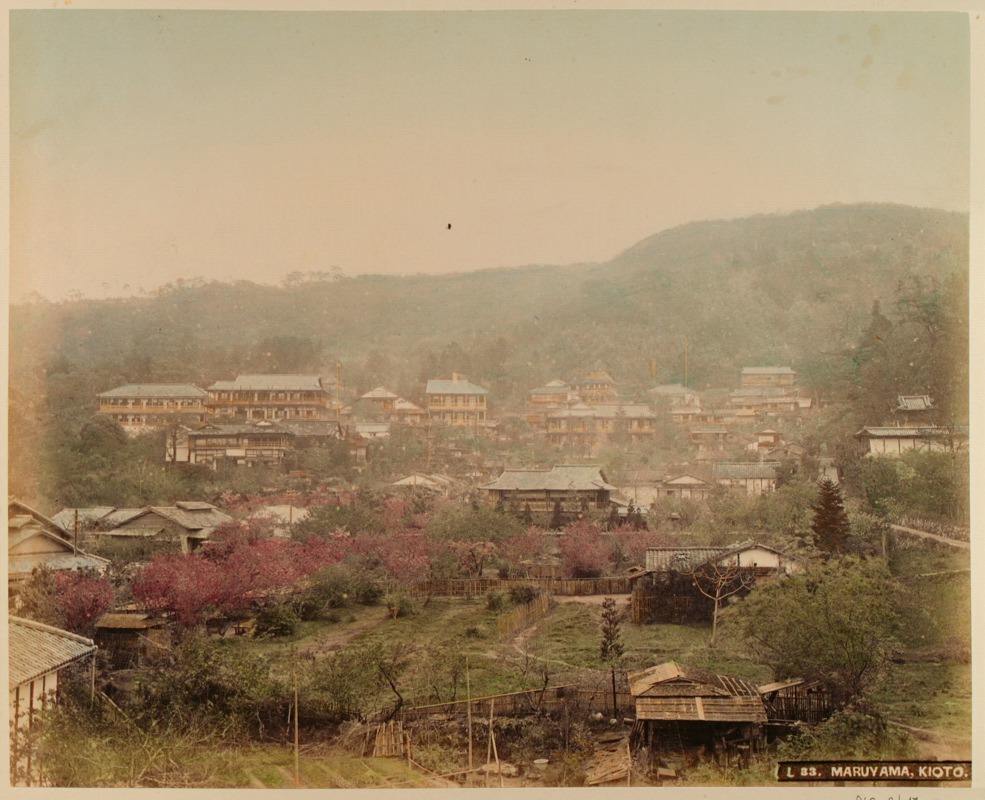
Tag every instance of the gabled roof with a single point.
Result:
(16, 508)
(406, 406)
(275, 383)
(454, 386)
(65, 519)
(159, 390)
(557, 478)
(191, 519)
(34, 649)
(60, 555)
(379, 393)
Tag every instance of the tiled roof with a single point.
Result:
(889, 432)
(558, 478)
(914, 402)
(460, 386)
(606, 411)
(34, 649)
(764, 471)
(379, 393)
(65, 519)
(282, 383)
(661, 559)
(162, 390)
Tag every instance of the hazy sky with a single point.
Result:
(148, 146)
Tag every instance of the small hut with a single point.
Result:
(681, 709)
(132, 639)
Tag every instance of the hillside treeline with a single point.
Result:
(865, 302)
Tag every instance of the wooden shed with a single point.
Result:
(680, 709)
(132, 639)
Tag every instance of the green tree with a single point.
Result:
(611, 647)
(830, 524)
(835, 622)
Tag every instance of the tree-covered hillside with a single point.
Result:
(863, 301)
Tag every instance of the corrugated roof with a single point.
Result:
(558, 478)
(282, 383)
(34, 649)
(162, 390)
(459, 386)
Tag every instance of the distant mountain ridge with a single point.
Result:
(770, 289)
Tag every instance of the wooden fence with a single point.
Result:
(476, 587)
(522, 615)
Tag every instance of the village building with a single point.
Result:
(35, 541)
(893, 442)
(434, 483)
(710, 440)
(142, 407)
(586, 429)
(551, 396)
(457, 402)
(767, 377)
(181, 528)
(272, 397)
(677, 581)
(235, 443)
(383, 405)
(596, 386)
(676, 394)
(685, 486)
(749, 478)
(133, 639)
(680, 708)
(38, 656)
(576, 489)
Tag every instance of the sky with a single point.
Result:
(151, 146)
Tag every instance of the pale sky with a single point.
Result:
(148, 146)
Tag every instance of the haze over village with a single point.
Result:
(488, 430)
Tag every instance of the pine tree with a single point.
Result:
(830, 524)
(611, 648)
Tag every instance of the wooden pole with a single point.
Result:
(297, 748)
(468, 696)
(492, 738)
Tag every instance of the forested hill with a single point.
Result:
(782, 290)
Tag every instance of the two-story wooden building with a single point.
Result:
(143, 407)
(585, 429)
(457, 402)
(271, 397)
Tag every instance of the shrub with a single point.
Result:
(495, 601)
(276, 621)
(521, 595)
(399, 605)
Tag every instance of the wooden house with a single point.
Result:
(35, 541)
(596, 386)
(892, 442)
(38, 656)
(578, 489)
(142, 407)
(272, 397)
(457, 402)
(675, 586)
(584, 429)
(685, 486)
(748, 478)
(681, 708)
(182, 527)
(245, 443)
(767, 376)
(133, 639)
(914, 409)
(382, 404)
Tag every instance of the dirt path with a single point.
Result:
(591, 599)
(335, 639)
(924, 535)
